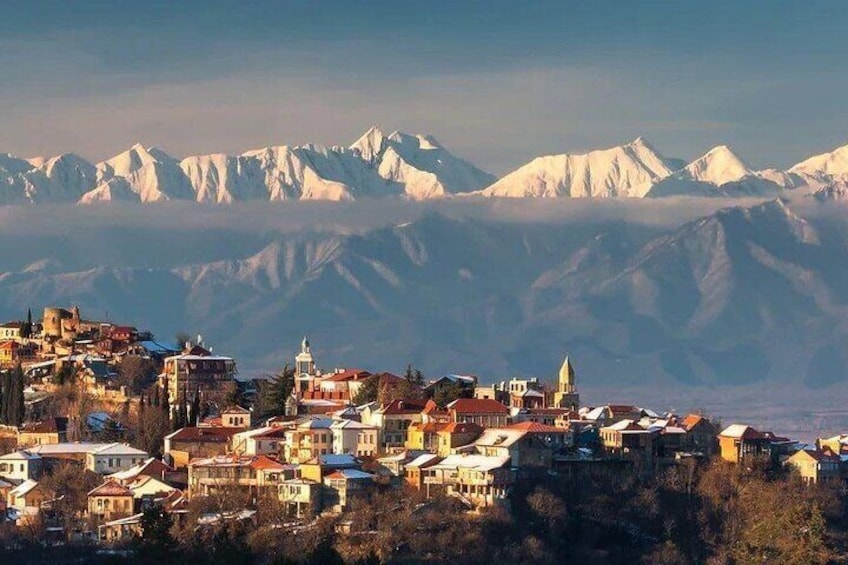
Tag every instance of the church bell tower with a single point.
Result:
(566, 395)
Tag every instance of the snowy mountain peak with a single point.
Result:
(371, 144)
(625, 170)
(826, 166)
(719, 165)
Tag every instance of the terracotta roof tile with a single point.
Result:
(536, 428)
(477, 406)
(111, 488)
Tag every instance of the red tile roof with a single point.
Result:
(348, 375)
(536, 428)
(154, 468)
(432, 408)
(477, 406)
(461, 428)
(405, 406)
(691, 421)
(111, 488)
(265, 462)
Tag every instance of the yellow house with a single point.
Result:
(318, 467)
(110, 501)
(814, 466)
(422, 437)
(738, 442)
(456, 434)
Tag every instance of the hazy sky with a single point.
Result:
(495, 82)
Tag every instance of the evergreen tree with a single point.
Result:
(5, 394)
(235, 396)
(368, 391)
(447, 393)
(195, 409)
(274, 392)
(26, 329)
(182, 412)
(156, 397)
(18, 406)
(414, 377)
(156, 539)
(166, 404)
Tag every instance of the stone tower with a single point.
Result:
(566, 395)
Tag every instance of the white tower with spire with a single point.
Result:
(304, 367)
(566, 395)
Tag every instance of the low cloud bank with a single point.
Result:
(352, 217)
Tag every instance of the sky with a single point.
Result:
(495, 82)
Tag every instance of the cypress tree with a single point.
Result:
(18, 404)
(4, 395)
(156, 397)
(166, 405)
(182, 412)
(9, 396)
(195, 408)
(27, 329)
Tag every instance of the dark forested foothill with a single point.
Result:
(715, 514)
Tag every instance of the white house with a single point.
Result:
(114, 457)
(267, 440)
(20, 466)
(354, 437)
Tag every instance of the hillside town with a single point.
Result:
(104, 426)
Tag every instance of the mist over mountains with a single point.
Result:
(705, 293)
(397, 165)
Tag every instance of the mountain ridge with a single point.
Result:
(396, 165)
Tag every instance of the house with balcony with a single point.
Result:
(478, 480)
(301, 497)
(110, 501)
(211, 375)
(413, 470)
(343, 486)
(308, 439)
(739, 442)
(525, 451)
(626, 438)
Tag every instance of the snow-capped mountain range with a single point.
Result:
(397, 165)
